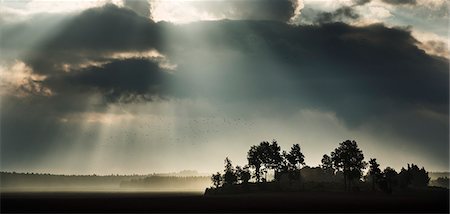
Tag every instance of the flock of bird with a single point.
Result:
(175, 131)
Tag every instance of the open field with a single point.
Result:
(405, 202)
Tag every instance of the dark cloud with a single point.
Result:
(279, 10)
(105, 28)
(368, 74)
(358, 72)
(371, 65)
(141, 7)
(372, 76)
(92, 35)
(354, 61)
(34, 123)
(399, 2)
(120, 80)
(85, 43)
(361, 2)
(341, 14)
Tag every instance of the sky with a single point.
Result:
(128, 86)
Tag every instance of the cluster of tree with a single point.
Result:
(231, 175)
(346, 160)
(262, 158)
(386, 180)
(267, 156)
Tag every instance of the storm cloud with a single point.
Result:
(361, 2)
(340, 14)
(280, 10)
(141, 7)
(335, 66)
(120, 80)
(400, 2)
(369, 76)
(92, 35)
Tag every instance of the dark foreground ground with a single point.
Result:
(58, 202)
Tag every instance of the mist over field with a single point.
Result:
(186, 181)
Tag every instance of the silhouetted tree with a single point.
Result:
(404, 178)
(295, 157)
(243, 174)
(271, 157)
(374, 171)
(294, 160)
(217, 179)
(387, 180)
(327, 163)
(255, 160)
(238, 171)
(413, 176)
(349, 158)
(265, 154)
(419, 177)
(285, 164)
(390, 175)
(229, 176)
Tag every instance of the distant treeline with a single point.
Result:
(440, 182)
(34, 180)
(439, 179)
(436, 175)
(28, 181)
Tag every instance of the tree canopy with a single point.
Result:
(265, 155)
(374, 171)
(350, 159)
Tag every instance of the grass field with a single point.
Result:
(57, 202)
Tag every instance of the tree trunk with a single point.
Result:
(373, 183)
(257, 174)
(389, 185)
(345, 181)
(349, 184)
